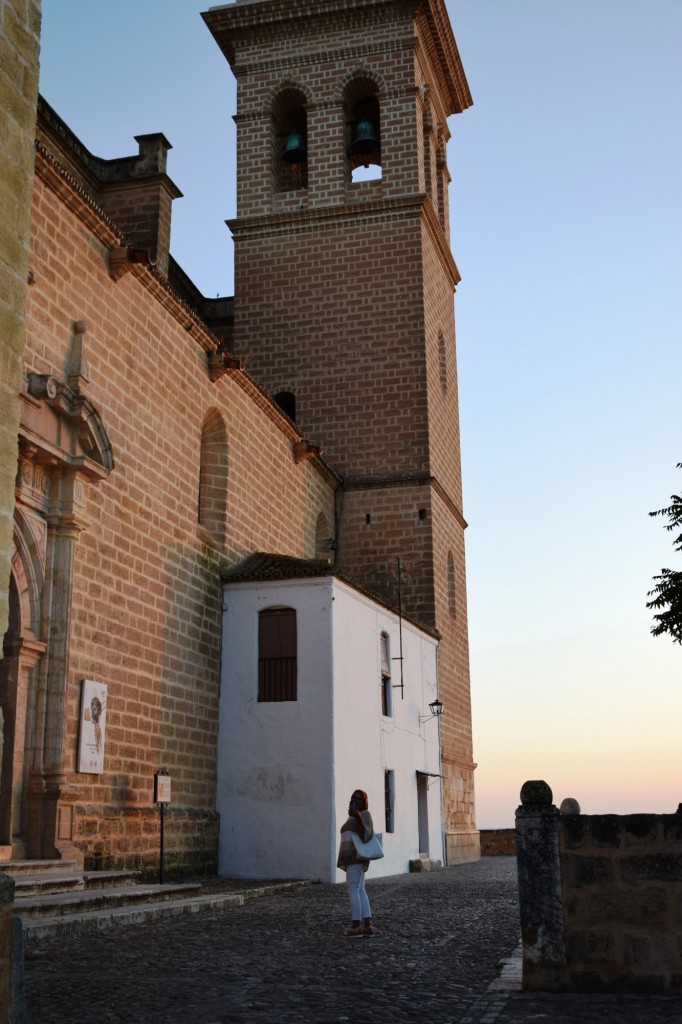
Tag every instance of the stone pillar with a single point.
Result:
(51, 796)
(541, 908)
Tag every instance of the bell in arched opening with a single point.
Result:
(295, 151)
(365, 143)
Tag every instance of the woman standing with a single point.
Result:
(359, 821)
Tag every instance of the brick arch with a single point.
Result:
(286, 85)
(287, 110)
(362, 96)
(213, 476)
(352, 86)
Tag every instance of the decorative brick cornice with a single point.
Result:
(278, 19)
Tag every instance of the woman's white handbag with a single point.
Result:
(371, 850)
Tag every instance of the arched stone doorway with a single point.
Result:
(63, 449)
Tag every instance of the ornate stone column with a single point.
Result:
(51, 796)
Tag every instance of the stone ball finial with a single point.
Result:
(569, 806)
(536, 793)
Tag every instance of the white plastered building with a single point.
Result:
(316, 702)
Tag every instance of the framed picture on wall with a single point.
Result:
(92, 727)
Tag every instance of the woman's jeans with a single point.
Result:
(355, 884)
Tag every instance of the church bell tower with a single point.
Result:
(344, 285)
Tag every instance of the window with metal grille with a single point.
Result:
(386, 684)
(277, 654)
(389, 799)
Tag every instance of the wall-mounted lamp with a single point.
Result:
(436, 709)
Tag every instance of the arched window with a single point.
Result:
(452, 601)
(286, 400)
(363, 123)
(290, 140)
(277, 668)
(212, 509)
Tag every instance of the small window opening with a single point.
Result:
(389, 800)
(452, 598)
(277, 668)
(286, 400)
(442, 363)
(386, 681)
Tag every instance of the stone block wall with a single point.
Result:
(19, 46)
(621, 882)
(600, 898)
(498, 842)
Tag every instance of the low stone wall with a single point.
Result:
(498, 842)
(462, 847)
(600, 898)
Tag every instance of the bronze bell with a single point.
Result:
(295, 151)
(365, 141)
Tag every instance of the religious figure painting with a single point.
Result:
(92, 727)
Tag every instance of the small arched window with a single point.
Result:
(212, 505)
(277, 658)
(286, 400)
(290, 140)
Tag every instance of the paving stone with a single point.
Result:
(446, 952)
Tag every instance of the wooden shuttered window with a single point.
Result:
(277, 655)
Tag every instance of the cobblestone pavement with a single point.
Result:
(282, 960)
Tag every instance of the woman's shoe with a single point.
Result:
(353, 933)
(368, 930)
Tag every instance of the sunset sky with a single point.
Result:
(566, 228)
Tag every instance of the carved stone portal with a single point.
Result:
(63, 450)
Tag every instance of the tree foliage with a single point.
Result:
(666, 597)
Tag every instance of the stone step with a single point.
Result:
(44, 885)
(47, 924)
(99, 879)
(60, 881)
(17, 868)
(98, 900)
(35, 928)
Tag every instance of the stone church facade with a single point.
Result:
(165, 437)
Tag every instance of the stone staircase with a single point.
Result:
(57, 898)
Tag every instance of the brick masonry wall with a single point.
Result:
(19, 45)
(146, 605)
(621, 884)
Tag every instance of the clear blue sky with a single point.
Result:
(566, 227)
